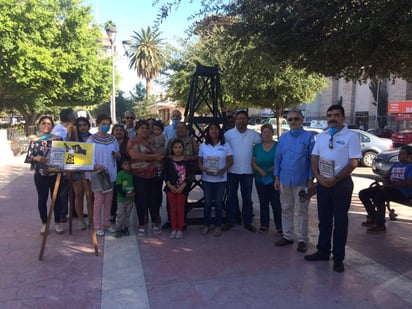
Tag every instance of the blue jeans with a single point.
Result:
(213, 193)
(333, 207)
(246, 184)
(269, 195)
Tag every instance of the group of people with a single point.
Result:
(141, 158)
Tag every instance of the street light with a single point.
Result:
(111, 34)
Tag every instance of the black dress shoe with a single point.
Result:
(283, 242)
(166, 226)
(251, 228)
(227, 227)
(338, 266)
(302, 247)
(317, 256)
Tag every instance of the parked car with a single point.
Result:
(381, 132)
(384, 160)
(402, 138)
(371, 145)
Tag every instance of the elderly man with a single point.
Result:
(170, 130)
(292, 175)
(335, 155)
(241, 140)
(129, 119)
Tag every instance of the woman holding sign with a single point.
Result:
(37, 154)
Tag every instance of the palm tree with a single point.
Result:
(146, 54)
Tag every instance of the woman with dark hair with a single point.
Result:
(80, 134)
(106, 152)
(215, 158)
(263, 166)
(37, 156)
(120, 133)
(146, 171)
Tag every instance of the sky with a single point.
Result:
(132, 15)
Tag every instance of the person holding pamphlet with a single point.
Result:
(335, 155)
(37, 155)
(106, 152)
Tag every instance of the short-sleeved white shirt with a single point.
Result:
(346, 145)
(219, 151)
(242, 147)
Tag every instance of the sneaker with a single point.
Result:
(140, 231)
(156, 229)
(179, 234)
(43, 229)
(377, 229)
(125, 231)
(283, 242)
(119, 233)
(317, 256)
(173, 234)
(218, 231)
(369, 222)
(302, 247)
(338, 266)
(111, 229)
(59, 229)
(204, 230)
(82, 225)
(100, 233)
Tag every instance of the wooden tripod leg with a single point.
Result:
(90, 214)
(53, 202)
(71, 202)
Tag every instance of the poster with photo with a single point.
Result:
(71, 156)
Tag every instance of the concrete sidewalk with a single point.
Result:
(237, 270)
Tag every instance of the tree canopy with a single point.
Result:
(49, 56)
(354, 39)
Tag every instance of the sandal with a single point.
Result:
(204, 230)
(263, 229)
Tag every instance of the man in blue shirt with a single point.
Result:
(293, 175)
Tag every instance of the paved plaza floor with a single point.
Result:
(238, 270)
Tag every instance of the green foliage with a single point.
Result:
(49, 57)
(249, 76)
(355, 39)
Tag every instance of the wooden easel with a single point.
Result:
(89, 210)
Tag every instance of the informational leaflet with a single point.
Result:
(212, 165)
(327, 168)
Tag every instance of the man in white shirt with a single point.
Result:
(335, 155)
(241, 140)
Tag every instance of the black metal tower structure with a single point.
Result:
(204, 106)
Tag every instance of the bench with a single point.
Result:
(392, 214)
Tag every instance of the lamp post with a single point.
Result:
(111, 34)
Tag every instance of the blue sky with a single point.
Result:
(132, 15)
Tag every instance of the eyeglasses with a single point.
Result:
(331, 142)
(129, 118)
(294, 119)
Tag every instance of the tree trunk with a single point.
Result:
(148, 88)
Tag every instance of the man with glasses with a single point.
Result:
(129, 118)
(170, 130)
(292, 175)
(335, 155)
